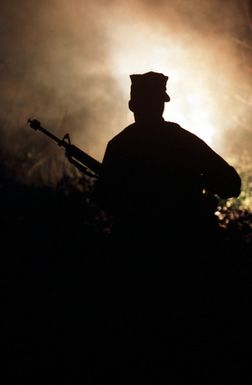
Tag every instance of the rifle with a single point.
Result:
(80, 159)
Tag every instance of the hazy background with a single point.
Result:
(67, 64)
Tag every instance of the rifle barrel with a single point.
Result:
(80, 158)
(59, 141)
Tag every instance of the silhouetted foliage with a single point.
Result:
(67, 312)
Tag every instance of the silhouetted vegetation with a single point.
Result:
(67, 320)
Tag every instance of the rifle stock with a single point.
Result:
(75, 155)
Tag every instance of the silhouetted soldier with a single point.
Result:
(159, 180)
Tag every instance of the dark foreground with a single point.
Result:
(73, 313)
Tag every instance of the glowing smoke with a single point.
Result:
(68, 64)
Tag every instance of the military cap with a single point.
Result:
(149, 85)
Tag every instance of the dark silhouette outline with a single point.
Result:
(157, 178)
(161, 185)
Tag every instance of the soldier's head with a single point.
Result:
(148, 95)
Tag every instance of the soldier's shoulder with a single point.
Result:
(124, 133)
(182, 131)
(175, 126)
(172, 124)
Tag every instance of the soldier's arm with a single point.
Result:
(220, 177)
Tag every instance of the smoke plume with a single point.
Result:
(67, 64)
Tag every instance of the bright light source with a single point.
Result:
(191, 84)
